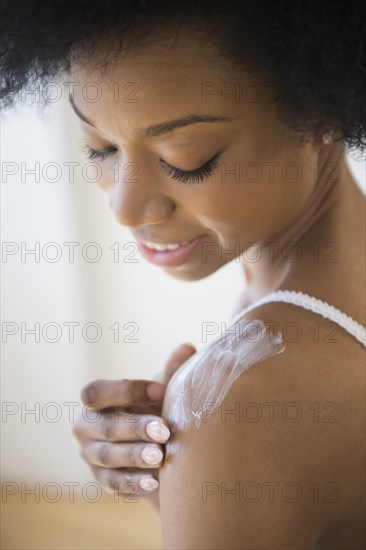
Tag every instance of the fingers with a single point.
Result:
(118, 426)
(113, 440)
(124, 482)
(114, 393)
(156, 391)
(103, 394)
(122, 455)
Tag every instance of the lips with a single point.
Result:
(162, 247)
(169, 257)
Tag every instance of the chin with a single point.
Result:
(192, 273)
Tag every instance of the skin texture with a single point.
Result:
(326, 211)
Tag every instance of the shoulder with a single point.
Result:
(318, 380)
(317, 350)
(269, 448)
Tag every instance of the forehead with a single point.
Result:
(158, 70)
(159, 81)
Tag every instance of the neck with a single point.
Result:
(318, 214)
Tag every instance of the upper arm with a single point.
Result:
(235, 483)
(248, 478)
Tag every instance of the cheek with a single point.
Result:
(241, 207)
(253, 197)
(107, 175)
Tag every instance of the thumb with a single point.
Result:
(180, 355)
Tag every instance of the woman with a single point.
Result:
(231, 122)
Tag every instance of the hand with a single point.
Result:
(119, 443)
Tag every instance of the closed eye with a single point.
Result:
(100, 154)
(198, 175)
(192, 176)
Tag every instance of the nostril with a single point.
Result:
(142, 207)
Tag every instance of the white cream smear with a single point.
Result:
(199, 386)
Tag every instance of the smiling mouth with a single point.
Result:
(168, 253)
(164, 247)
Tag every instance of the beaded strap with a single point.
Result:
(313, 304)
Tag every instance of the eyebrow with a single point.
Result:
(163, 127)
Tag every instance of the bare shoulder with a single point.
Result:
(319, 354)
(322, 373)
(283, 443)
(322, 369)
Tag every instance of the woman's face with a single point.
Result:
(247, 194)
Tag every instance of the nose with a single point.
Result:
(136, 203)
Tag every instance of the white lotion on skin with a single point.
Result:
(203, 381)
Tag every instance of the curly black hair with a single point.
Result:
(312, 50)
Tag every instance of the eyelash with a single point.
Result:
(193, 176)
(100, 154)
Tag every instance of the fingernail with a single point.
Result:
(151, 455)
(148, 483)
(157, 431)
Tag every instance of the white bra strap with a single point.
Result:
(313, 304)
